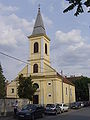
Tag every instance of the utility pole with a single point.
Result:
(62, 87)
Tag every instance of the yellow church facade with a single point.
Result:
(52, 87)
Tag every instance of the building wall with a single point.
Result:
(40, 58)
(50, 88)
(24, 71)
(69, 93)
(10, 86)
(58, 93)
(7, 105)
(13, 84)
(49, 91)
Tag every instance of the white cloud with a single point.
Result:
(71, 52)
(51, 8)
(21, 23)
(48, 22)
(13, 30)
(33, 1)
(13, 40)
(4, 8)
(73, 36)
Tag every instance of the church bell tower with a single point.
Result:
(39, 47)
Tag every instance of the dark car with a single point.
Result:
(75, 105)
(52, 109)
(31, 111)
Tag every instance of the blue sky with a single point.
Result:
(70, 35)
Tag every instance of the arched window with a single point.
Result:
(35, 47)
(35, 68)
(45, 48)
(36, 85)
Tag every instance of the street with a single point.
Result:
(80, 114)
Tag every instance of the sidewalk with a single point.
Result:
(7, 118)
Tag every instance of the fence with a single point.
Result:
(7, 105)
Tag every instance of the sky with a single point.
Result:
(69, 36)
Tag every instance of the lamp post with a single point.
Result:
(62, 87)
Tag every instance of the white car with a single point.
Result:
(63, 107)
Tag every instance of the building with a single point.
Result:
(52, 87)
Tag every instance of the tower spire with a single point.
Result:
(39, 26)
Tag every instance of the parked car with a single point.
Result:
(86, 103)
(31, 111)
(64, 107)
(75, 105)
(82, 104)
(52, 109)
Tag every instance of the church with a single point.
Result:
(52, 86)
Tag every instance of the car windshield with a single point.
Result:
(50, 105)
(65, 105)
(29, 106)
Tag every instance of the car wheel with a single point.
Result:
(56, 113)
(60, 112)
(33, 118)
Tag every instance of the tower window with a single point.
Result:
(35, 47)
(12, 90)
(45, 48)
(66, 91)
(35, 68)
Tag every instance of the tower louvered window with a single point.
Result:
(35, 47)
(45, 48)
(35, 68)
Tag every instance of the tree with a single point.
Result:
(26, 89)
(79, 6)
(2, 83)
(81, 88)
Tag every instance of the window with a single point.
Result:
(35, 68)
(35, 47)
(70, 91)
(12, 91)
(49, 95)
(36, 85)
(45, 48)
(49, 83)
(66, 91)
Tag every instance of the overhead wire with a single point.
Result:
(21, 60)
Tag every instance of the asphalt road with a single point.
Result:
(81, 114)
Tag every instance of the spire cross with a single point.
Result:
(39, 8)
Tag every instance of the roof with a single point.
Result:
(74, 78)
(65, 80)
(39, 26)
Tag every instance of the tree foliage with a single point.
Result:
(2, 83)
(81, 88)
(79, 5)
(26, 89)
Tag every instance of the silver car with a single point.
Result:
(52, 109)
(63, 107)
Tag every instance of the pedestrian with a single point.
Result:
(15, 107)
